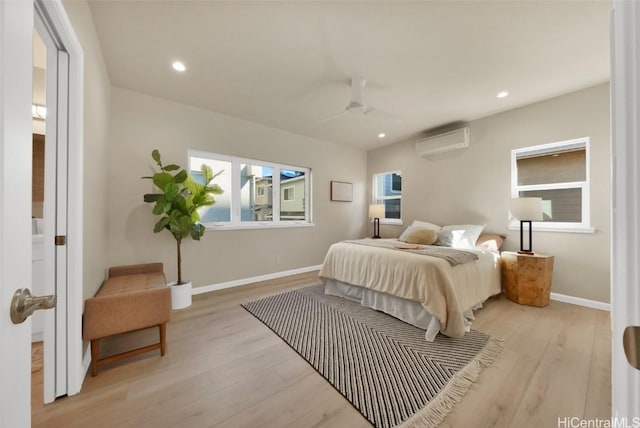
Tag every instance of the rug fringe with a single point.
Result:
(434, 413)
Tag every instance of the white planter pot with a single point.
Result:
(180, 295)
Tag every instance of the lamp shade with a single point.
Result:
(526, 209)
(376, 211)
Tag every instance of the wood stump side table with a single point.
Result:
(527, 277)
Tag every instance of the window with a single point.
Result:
(250, 189)
(559, 174)
(221, 211)
(256, 191)
(292, 204)
(387, 190)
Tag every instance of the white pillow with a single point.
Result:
(459, 235)
(426, 225)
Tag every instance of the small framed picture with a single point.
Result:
(341, 191)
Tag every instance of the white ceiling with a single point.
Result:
(288, 64)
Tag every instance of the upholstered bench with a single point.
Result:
(132, 298)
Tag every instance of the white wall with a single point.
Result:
(473, 185)
(97, 89)
(140, 123)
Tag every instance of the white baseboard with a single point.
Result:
(581, 302)
(245, 281)
(37, 336)
(86, 363)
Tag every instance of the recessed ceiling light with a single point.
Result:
(382, 135)
(502, 94)
(178, 66)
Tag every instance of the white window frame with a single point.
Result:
(376, 198)
(573, 227)
(236, 208)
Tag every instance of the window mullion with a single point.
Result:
(551, 186)
(307, 196)
(235, 192)
(275, 187)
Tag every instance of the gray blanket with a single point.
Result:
(453, 256)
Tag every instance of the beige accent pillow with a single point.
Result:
(426, 225)
(423, 237)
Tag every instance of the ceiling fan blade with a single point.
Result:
(334, 116)
(382, 114)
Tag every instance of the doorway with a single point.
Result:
(49, 206)
(56, 201)
(38, 277)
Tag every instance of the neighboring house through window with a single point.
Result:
(559, 174)
(250, 187)
(289, 193)
(387, 190)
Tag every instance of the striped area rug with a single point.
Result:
(383, 366)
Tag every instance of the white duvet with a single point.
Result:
(445, 292)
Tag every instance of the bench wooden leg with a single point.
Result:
(95, 350)
(95, 356)
(163, 338)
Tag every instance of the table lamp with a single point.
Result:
(526, 210)
(376, 211)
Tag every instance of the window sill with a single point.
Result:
(565, 229)
(397, 222)
(258, 225)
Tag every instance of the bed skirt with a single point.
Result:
(406, 310)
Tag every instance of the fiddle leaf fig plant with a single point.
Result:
(178, 201)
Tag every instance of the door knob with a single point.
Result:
(24, 304)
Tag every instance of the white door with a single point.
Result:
(55, 211)
(64, 364)
(59, 263)
(16, 29)
(625, 269)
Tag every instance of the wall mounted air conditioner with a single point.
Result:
(441, 143)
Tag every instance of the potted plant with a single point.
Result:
(177, 204)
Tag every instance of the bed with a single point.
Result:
(419, 284)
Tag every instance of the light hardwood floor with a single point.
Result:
(224, 368)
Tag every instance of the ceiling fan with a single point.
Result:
(357, 105)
